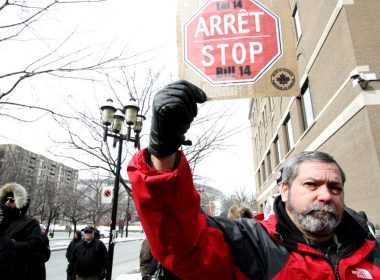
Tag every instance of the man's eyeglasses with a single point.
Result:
(88, 231)
(10, 199)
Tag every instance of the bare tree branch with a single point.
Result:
(212, 137)
(47, 111)
(240, 195)
(40, 10)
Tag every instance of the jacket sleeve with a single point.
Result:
(69, 250)
(31, 242)
(169, 208)
(103, 253)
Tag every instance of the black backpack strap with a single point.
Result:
(254, 252)
(245, 244)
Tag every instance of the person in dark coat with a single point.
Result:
(97, 233)
(41, 257)
(150, 267)
(23, 230)
(89, 258)
(7, 251)
(147, 263)
(69, 251)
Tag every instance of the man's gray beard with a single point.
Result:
(319, 218)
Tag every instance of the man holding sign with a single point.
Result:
(309, 236)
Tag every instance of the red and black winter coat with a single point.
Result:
(196, 246)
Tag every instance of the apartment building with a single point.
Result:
(34, 171)
(338, 108)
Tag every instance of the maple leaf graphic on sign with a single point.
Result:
(283, 80)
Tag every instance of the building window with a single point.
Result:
(265, 116)
(271, 103)
(259, 177)
(269, 163)
(263, 171)
(297, 23)
(259, 130)
(307, 107)
(289, 132)
(277, 152)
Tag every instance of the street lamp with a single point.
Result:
(127, 214)
(115, 117)
(137, 129)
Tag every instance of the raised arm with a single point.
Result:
(164, 164)
(165, 197)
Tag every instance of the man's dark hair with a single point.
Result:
(290, 170)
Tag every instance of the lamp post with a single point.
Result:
(127, 216)
(115, 117)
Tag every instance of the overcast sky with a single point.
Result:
(139, 25)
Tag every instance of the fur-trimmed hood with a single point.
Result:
(19, 193)
(240, 210)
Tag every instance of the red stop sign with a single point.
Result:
(232, 42)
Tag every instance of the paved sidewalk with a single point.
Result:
(60, 243)
(133, 276)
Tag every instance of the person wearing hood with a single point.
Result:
(69, 251)
(23, 230)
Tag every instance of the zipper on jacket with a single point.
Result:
(325, 256)
(336, 271)
(334, 267)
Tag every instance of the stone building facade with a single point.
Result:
(338, 108)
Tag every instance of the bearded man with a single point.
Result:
(309, 235)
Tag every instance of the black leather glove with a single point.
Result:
(174, 108)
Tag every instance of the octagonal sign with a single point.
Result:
(232, 42)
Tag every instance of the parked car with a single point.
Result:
(136, 226)
(104, 233)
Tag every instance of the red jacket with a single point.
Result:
(195, 246)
